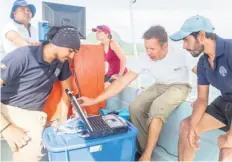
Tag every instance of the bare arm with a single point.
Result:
(116, 87)
(16, 39)
(4, 122)
(65, 101)
(15, 136)
(119, 52)
(200, 104)
(1, 82)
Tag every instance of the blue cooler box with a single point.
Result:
(71, 147)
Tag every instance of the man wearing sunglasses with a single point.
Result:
(27, 77)
(19, 32)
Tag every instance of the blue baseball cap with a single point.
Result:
(23, 3)
(193, 24)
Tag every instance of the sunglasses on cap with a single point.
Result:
(103, 28)
(100, 27)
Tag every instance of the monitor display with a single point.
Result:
(61, 14)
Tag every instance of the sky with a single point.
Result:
(116, 14)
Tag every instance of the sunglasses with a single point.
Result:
(100, 27)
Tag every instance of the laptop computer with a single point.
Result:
(99, 126)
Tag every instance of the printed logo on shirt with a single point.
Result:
(223, 71)
(57, 72)
(178, 68)
(145, 70)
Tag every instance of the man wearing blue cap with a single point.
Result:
(27, 77)
(19, 32)
(214, 68)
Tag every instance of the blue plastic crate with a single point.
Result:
(71, 147)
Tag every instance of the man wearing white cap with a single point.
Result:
(214, 68)
(19, 32)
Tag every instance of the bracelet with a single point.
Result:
(120, 75)
(5, 127)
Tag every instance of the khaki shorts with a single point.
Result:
(163, 105)
(33, 123)
(160, 100)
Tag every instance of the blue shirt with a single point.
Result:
(29, 79)
(221, 75)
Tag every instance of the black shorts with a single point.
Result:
(222, 111)
(107, 79)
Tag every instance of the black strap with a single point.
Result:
(76, 80)
(5, 127)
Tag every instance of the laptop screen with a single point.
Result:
(79, 109)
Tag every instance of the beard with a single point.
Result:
(60, 59)
(198, 50)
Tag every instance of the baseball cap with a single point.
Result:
(64, 36)
(23, 3)
(193, 24)
(102, 28)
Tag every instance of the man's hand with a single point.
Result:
(85, 101)
(194, 138)
(224, 141)
(15, 137)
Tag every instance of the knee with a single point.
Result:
(225, 154)
(184, 126)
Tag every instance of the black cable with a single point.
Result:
(76, 81)
(167, 151)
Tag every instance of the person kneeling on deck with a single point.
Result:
(171, 67)
(214, 68)
(27, 77)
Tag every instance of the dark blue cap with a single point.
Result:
(22, 3)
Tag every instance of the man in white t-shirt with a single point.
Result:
(171, 66)
(19, 32)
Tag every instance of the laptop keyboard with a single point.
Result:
(98, 124)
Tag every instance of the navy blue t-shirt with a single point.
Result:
(221, 76)
(28, 78)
